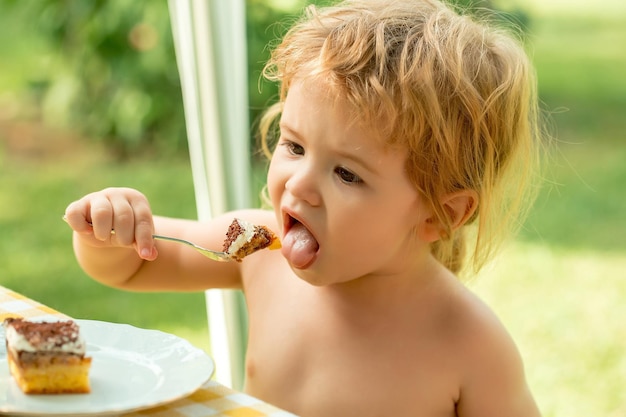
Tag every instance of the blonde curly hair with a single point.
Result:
(458, 92)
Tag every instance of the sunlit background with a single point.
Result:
(90, 98)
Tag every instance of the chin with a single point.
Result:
(319, 278)
(312, 277)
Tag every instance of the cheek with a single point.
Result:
(274, 184)
(388, 225)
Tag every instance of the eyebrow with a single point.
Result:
(346, 155)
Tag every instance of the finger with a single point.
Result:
(144, 228)
(76, 217)
(101, 215)
(148, 254)
(123, 220)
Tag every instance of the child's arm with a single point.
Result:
(131, 259)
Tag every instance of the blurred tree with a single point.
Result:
(117, 69)
(120, 56)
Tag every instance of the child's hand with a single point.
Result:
(114, 217)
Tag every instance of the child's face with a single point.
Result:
(343, 200)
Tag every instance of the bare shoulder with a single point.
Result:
(492, 378)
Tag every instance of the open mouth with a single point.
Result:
(300, 247)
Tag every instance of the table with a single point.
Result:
(212, 399)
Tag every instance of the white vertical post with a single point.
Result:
(210, 45)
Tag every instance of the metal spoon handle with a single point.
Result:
(211, 254)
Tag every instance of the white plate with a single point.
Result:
(131, 369)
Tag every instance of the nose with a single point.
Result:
(304, 185)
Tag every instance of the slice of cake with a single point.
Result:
(244, 238)
(47, 357)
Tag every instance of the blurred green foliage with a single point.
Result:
(113, 76)
(116, 69)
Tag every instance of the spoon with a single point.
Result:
(211, 254)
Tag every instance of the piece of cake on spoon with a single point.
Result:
(244, 238)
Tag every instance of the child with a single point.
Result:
(400, 122)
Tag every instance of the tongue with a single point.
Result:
(299, 246)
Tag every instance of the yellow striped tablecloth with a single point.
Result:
(210, 400)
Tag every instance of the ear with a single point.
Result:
(459, 206)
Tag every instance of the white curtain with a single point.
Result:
(210, 40)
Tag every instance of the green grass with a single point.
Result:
(559, 287)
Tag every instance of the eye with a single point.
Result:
(347, 176)
(293, 148)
